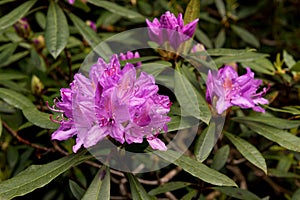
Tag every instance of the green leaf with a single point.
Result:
(13, 156)
(288, 59)
(296, 67)
(283, 138)
(190, 195)
(137, 190)
(41, 19)
(282, 174)
(8, 51)
(16, 14)
(1, 127)
(237, 193)
(203, 38)
(245, 57)
(220, 158)
(296, 195)
(271, 121)
(154, 68)
(39, 118)
(14, 58)
(11, 76)
(192, 11)
(205, 142)
(220, 39)
(115, 8)
(196, 168)
(57, 30)
(178, 123)
(262, 65)
(37, 176)
(221, 7)
(191, 102)
(167, 187)
(100, 186)
(248, 151)
(228, 52)
(5, 1)
(87, 32)
(245, 35)
(76, 190)
(15, 99)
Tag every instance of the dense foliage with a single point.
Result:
(223, 149)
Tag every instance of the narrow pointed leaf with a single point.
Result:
(221, 7)
(271, 121)
(237, 193)
(76, 190)
(37, 176)
(167, 187)
(282, 137)
(220, 39)
(8, 51)
(248, 151)
(115, 8)
(245, 35)
(1, 127)
(220, 158)
(203, 38)
(57, 30)
(205, 142)
(87, 32)
(137, 190)
(100, 186)
(39, 118)
(15, 99)
(196, 168)
(16, 14)
(11, 76)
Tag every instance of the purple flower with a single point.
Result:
(71, 1)
(229, 89)
(92, 25)
(112, 102)
(130, 55)
(171, 29)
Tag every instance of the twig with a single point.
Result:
(20, 139)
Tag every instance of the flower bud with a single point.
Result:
(22, 28)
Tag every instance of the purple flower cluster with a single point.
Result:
(171, 29)
(112, 102)
(233, 90)
(130, 55)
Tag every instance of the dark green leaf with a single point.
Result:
(205, 142)
(245, 57)
(282, 174)
(57, 30)
(137, 190)
(190, 195)
(220, 39)
(221, 7)
(203, 38)
(285, 163)
(1, 127)
(296, 67)
(115, 8)
(5, 1)
(245, 35)
(178, 123)
(15, 99)
(167, 187)
(7, 52)
(271, 121)
(196, 168)
(14, 58)
(41, 19)
(37, 176)
(296, 195)
(237, 193)
(100, 186)
(228, 52)
(76, 190)
(283, 138)
(262, 65)
(39, 118)
(220, 158)
(16, 14)
(12, 156)
(87, 32)
(248, 151)
(11, 76)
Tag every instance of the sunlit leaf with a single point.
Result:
(137, 190)
(248, 151)
(237, 193)
(37, 176)
(196, 168)
(16, 14)
(100, 186)
(288, 59)
(57, 30)
(245, 35)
